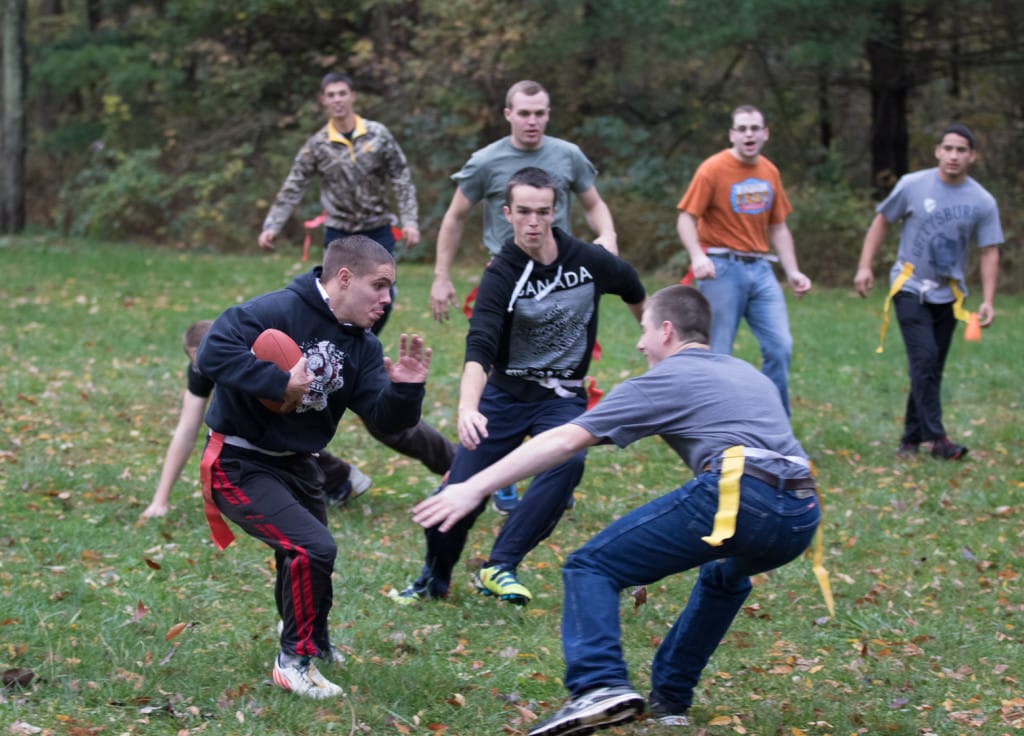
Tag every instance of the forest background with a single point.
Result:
(175, 121)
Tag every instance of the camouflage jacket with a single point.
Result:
(353, 178)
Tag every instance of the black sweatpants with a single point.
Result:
(280, 501)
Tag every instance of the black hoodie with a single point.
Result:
(347, 362)
(532, 320)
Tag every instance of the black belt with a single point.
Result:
(737, 257)
(786, 484)
(807, 483)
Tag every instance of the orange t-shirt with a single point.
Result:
(735, 202)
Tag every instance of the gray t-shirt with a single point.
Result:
(939, 222)
(487, 172)
(700, 403)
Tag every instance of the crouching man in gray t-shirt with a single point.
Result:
(752, 507)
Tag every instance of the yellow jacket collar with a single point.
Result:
(335, 137)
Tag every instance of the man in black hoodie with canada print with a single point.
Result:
(530, 338)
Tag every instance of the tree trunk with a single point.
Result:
(13, 128)
(824, 112)
(890, 84)
(93, 14)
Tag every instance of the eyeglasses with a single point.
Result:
(751, 128)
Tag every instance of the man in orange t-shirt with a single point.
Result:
(733, 210)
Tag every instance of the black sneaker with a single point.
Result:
(419, 592)
(664, 714)
(591, 711)
(357, 484)
(907, 449)
(944, 449)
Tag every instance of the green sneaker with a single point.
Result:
(503, 584)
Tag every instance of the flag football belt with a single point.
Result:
(904, 275)
(221, 535)
(732, 469)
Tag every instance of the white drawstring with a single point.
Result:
(522, 282)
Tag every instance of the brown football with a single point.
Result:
(279, 349)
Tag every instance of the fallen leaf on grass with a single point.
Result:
(20, 728)
(18, 677)
(175, 630)
(526, 714)
(397, 725)
(140, 611)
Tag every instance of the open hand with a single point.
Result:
(444, 509)
(413, 361)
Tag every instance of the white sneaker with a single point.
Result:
(593, 710)
(335, 656)
(360, 481)
(303, 678)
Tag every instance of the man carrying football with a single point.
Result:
(268, 423)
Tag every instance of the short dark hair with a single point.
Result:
(358, 253)
(958, 129)
(525, 86)
(748, 110)
(686, 308)
(194, 334)
(531, 176)
(334, 78)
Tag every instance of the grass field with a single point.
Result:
(925, 556)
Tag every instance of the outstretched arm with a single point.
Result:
(178, 452)
(542, 452)
(702, 266)
(442, 291)
(599, 219)
(782, 241)
(289, 196)
(864, 279)
(472, 424)
(989, 276)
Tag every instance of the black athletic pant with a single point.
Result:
(280, 501)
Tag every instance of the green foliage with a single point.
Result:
(645, 88)
(119, 194)
(829, 223)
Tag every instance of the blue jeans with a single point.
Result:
(509, 422)
(751, 290)
(661, 538)
(927, 333)
(385, 237)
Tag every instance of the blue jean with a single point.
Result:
(927, 333)
(385, 237)
(751, 290)
(661, 538)
(509, 422)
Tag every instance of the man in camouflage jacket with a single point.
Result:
(355, 159)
